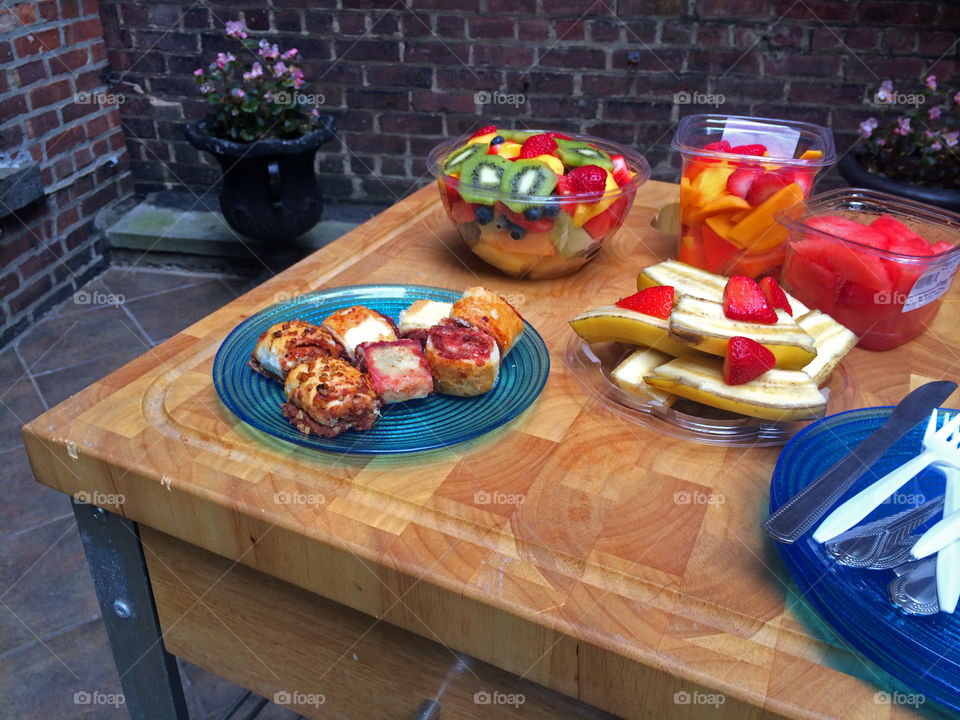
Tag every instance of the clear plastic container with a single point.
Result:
(886, 297)
(568, 230)
(728, 200)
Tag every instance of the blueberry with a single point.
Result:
(484, 214)
(497, 140)
(533, 214)
(551, 210)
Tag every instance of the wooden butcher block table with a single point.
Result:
(600, 586)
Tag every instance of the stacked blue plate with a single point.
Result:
(921, 651)
(433, 422)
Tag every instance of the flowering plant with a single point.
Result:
(919, 146)
(256, 98)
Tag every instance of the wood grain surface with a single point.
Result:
(602, 584)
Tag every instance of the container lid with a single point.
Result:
(695, 131)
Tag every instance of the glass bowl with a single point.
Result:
(569, 229)
(885, 297)
(728, 200)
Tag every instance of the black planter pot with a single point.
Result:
(270, 190)
(855, 174)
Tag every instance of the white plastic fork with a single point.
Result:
(939, 446)
(948, 559)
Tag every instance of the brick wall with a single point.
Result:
(54, 111)
(400, 75)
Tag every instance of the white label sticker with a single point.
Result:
(780, 140)
(934, 282)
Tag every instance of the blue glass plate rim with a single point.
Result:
(344, 296)
(807, 563)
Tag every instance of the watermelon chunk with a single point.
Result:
(861, 267)
(849, 230)
(900, 238)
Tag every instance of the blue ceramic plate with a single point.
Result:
(433, 422)
(921, 651)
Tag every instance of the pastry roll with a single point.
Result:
(285, 345)
(356, 325)
(398, 371)
(484, 310)
(326, 396)
(423, 315)
(463, 361)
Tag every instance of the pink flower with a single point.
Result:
(297, 75)
(934, 113)
(932, 82)
(256, 71)
(206, 89)
(279, 69)
(951, 138)
(868, 126)
(903, 126)
(956, 98)
(885, 92)
(235, 29)
(315, 113)
(268, 51)
(936, 146)
(238, 93)
(881, 142)
(289, 54)
(225, 59)
(198, 72)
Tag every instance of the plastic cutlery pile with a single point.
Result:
(889, 538)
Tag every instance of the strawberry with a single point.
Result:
(719, 146)
(588, 179)
(741, 179)
(537, 145)
(485, 130)
(941, 247)
(764, 187)
(775, 294)
(656, 301)
(746, 360)
(559, 135)
(621, 173)
(744, 300)
(805, 179)
(564, 185)
(755, 149)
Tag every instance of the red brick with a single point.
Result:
(394, 76)
(803, 65)
(39, 42)
(426, 101)
(48, 10)
(64, 141)
(70, 60)
(817, 93)
(899, 40)
(6, 53)
(498, 28)
(605, 85)
(256, 19)
(67, 217)
(91, 7)
(718, 36)
(352, 23)
(513, 7)
(102, 124)
(897, 13)
(88, 81)
(292, 20)
(8, 283)
(816, 10)
(451, 26)
(604, 31)
(656, 60)
(34, 291)
(69, 8)
(98, 52)
(82, 31)
(367, 50)
(27, 13)
(751, 9)
(437, 53)
(533, 30)
(503, 55)
(12, 107)
(29, 73)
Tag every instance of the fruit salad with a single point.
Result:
(730, 193)
(729, 343)
(536, 204)
(878, 264)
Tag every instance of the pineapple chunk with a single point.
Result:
(702, 325)
(609, 323)
(775, 395)
(690, 280)
(832, 341)
(629, 374)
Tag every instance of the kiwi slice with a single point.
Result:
(527, 177)
(517, 136)
(482, 171)
(576, 153)
(456, 159)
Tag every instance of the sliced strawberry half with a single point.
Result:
(719, 146)
(765, 186)
(559, 135)
(485, 130)
(537, 145)
(656, 301)
(746, 360)
(805, 179)
(755, 149)
(744, 300)
(621, 173)
(588, 179)
(775, 294)
(742, 179)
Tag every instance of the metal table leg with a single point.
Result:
(148, 673)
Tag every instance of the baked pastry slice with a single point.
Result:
(326, 396)
(398, 371)
(356, 325)
(484, 310)
(463, 361)
(421, 316)
(285, 345)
